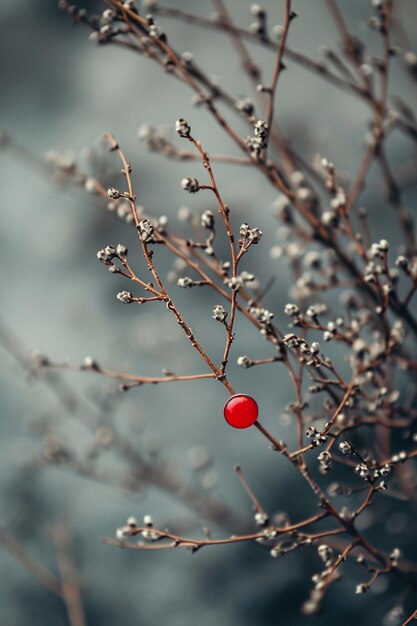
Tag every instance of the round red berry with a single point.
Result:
(240, 411)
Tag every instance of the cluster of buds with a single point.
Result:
(308, 354)
(207, 220)
(258, 27)
(125, 297)
(317, 439)
(398, 332)
(409, 266)
(145, 230)
(315, 310)
(400, 457)
(155, 31)
(244, 361)
(234, 282)
(363, 470)
(332, 329)
(345, 447)
(131, 529)
(325, 553)
(339, 199)
(325, 462)
(114, 194)
(190, 184)
(185, 282)
(103, 34)
(293, 311)
(183, 128)
(108, 16)
(109, 253)
(263, 316)
(395, 556)
(320, 580)
(148, 534)
(128, 530)
(249, 236)
(402, 262)
(261, 519)
(219, 313)
(330, 218)
(259, 140)
(383, 471)
(377, 265)
(237, 282)
(378, 251)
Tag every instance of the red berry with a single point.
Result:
(240, 411)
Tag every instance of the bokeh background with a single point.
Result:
(60, 92)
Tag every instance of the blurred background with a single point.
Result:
(59, 93)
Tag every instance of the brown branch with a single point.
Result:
(71, 589)
(38, 571)
(278, 64)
